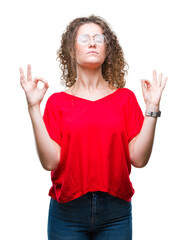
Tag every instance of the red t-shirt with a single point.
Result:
(94, 137)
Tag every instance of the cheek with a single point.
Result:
(104, 52)
(79, 56)
(103, 49)
(79, 52)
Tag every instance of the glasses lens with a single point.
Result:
(99, 39)
(83, 39)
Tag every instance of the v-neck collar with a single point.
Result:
(84, 99)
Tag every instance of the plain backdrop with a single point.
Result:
(153, 36)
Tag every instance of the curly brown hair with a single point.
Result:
(114, 69)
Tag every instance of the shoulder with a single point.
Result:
(129, 97)
(54, 99)
(127, 92)
(54, 96)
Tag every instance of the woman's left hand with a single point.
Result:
(152, 92)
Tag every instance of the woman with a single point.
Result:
(91, 133)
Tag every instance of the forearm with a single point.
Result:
(143, 144)
(46, 150)
(141, 148)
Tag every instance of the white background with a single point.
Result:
(153, 36)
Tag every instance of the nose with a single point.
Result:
(92, 42)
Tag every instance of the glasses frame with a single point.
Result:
(90, 39)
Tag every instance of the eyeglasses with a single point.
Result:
(84, 39)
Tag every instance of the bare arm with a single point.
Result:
(47, 149)
(140, 147)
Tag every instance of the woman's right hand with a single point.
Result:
(33, 94)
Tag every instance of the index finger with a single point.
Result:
(29, 76)
(22, 76)
(154, 77)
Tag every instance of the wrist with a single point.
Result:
(152, 107)
(153, 114)
(33, 108)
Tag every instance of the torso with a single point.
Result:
(91, 96)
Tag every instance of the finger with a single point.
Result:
(45, 87)
(37, 79)
(46, 84)
(143, 85)
(148, 83)
(164, 82)
(29, 76)
(22, 76)
(154, 77)
(159, 83)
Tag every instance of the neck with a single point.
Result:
(89, 79)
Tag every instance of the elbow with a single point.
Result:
(50, 167)
(139, 160)
(49, 161)
(47, 168)
(139, 163)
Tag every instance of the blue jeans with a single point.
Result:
(95, 215)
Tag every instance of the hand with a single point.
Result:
(152, 92)
(34, 95)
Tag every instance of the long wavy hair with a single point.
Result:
(114, 68)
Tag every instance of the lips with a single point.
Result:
(92, 52)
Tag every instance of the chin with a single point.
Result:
(91, 64)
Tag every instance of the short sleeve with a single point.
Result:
(135, 117)
(51, 118)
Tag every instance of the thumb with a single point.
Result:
(143, 85)
(45, 87)
(46, 84)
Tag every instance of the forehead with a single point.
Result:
(89, 28)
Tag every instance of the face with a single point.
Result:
(82, 52)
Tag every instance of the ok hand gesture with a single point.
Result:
(152, 92)
(34, 95)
